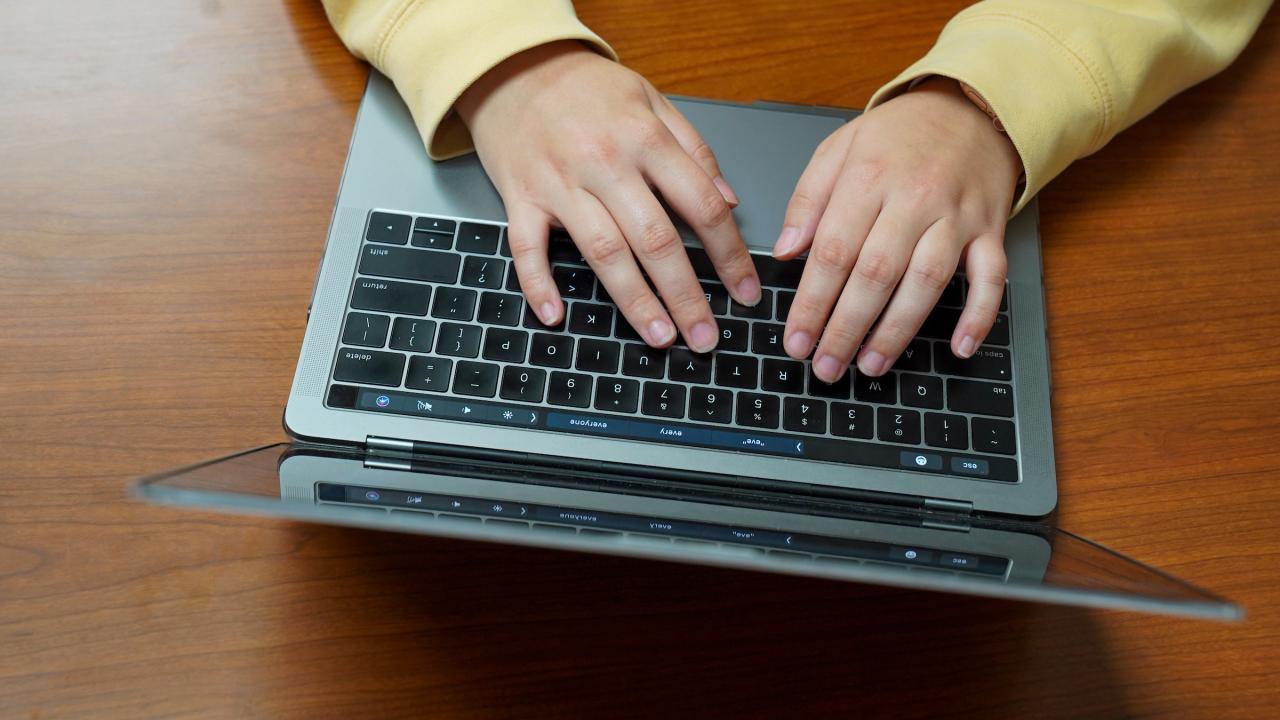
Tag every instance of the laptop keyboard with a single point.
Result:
(437, 327)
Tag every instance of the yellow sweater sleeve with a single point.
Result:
(1065, 76)
(433, 50)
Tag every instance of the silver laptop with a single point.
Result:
(427, 398)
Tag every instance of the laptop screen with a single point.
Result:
(594, 511)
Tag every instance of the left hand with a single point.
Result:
(888, 207)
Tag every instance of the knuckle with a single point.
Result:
(877, 270)
(711, 210)
(831, 252)
(658, 240)
(931, 273)
(685, 303)
(703, 154)
(601, 151)
(649, 132)
(605, 249)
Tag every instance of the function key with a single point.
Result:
(478, 238)
(434, 225)
(386, 227)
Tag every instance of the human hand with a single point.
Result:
(898, 198)
(571, 138)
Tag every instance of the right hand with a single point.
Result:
(571, 138)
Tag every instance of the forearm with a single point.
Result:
(433, 50)
(1065, 76)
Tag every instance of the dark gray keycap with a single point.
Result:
(762, 310)
(478, 238)
(882, 390)
(532, 322)
(983, 398)
(599, 356)
(409, 264)
(429, 373)
(946, 431)
(737, 371)
(987, 363)
(616, 394)
(574, 282)
(569, 389)
(786, 376)
(503, 345)
(390, 296)
(915, 358)
(435, 225)
(838, 390)
(522, 384)
(717, 298)
(386, 227)
(783, 305)
(852, 420)
(733, 335)
(897, 425)
(684, 365)
(483, 272)
(591, 319)
(643, 361)
(923, 391)
(365, 329)
(804, 415)
(551, 350)
(758, 411)
(766, 339)
(995, 436)
(500, 309)
(413, 335)
(457, 340)
(431, 240)
(663, 400)
(476, 379)
(454, 304)
(710, 405)
(370, 367)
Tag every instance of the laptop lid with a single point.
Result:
(595, 510)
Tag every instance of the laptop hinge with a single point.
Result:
(962, 507)
(373, 442)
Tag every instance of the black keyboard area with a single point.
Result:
(437, 328)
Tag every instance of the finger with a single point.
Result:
(876, 273)
(812, 194)
(930, 269)
(986, 268)
(691, 140)
(696, 199)
(527, 229)
(658, 247)
(837, 241)
(607, 252)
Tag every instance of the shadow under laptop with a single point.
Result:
(483, 630)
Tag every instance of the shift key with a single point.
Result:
(409, 264)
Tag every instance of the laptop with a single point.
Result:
(429, 399)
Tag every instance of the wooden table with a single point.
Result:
(166, 176)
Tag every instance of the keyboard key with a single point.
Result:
(763, 310)
(454, 304)
(589, 319)
(804, 415)
(413, 335)
(532, 322)
(431, 241)
(554, 351)
(390, 296)
(758, 411)
(504, 247)
(897, 425)
(941, 325)
(684, 365)
(478, 238)
(390, 228)
(882, 390)
(574, 282)
(946, 431)
(776, 273)
(737, 371)
(599, 356)
(733, 335)
(522, 384)
(923, 391)
(504, 345)
(483, 272)
(623, 330)
(996, 436)
(983, 398)
(838, 390)
(717, 298)
(429, 373)
(369, 367)
(784, 305)
(852, 421)
(643, 361)
(435, 225)
(710, 405)
(786, 376)
(702, 265)
(953, 294)
(663, 400)
(513, 280)
(366, 330)
(409, 264)
(477, 379)
(569, 389)
(617, 394)
(915, 358)
(766, 339)
(500, 309)
(561, 249)
(999, 334)
(987, 363)
(458, 340)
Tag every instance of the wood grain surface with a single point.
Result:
(166, 176)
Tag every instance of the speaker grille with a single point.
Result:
(330, 302)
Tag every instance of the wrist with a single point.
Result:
(525, 72)
(964, 100)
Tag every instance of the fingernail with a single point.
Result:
(872, 363)
(703, 337)
(967, 344)
(787, 241)
(799, 344)
(730, 196)
(828, 369)
(749, 291)
(661, 332)
(547, 314)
